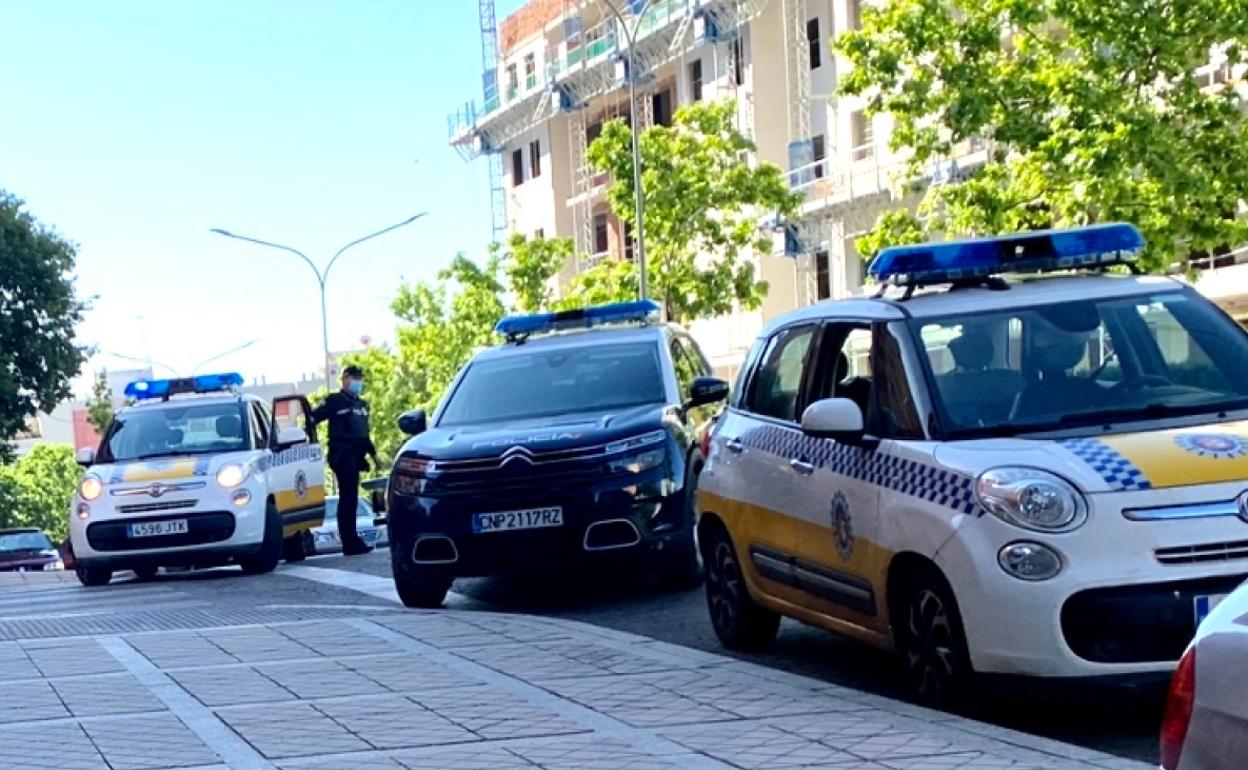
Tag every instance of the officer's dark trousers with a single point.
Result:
(347, 470)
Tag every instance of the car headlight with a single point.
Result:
(231, 475)
(636, 442)
(639, 463)
(53, 566)
(91, 487)
(414, 465)
(1031, 498)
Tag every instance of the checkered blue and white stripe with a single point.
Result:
(909, 477)
(1117, 471)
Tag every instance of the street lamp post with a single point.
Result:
(630, 33)
(173, 371)
(321, 275)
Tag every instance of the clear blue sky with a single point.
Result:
(133, 126)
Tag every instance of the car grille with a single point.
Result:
(172, 505)
(202, 527)
(1192, 554)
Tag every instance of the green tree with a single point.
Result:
(36, 490)
(38, 311)
(703, 201)
(100, 404)
(530, 266)
(1092, 108)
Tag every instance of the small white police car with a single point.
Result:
(195, 474)
(1044, 475)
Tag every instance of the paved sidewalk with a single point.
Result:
(396, 688)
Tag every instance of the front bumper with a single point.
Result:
(614, 519)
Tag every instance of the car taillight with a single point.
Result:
(1178, 716)
(706, 440)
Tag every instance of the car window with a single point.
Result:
(167, 430)
(11, 542)
(260, 425)
(562, 380)
(1186, 360)
(775, 385)
(894, 414)
(688, 362)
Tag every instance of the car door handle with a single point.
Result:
(734, 445)
(801, 466)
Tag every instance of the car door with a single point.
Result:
(297, 470)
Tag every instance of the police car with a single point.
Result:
(1037, 474)
(574, 441)
(194, 474)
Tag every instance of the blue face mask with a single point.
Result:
(355, 387)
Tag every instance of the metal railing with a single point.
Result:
(827, 182)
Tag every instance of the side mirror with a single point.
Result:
(291, 435)
(85, 457)
(376, 489)
(706, 390)
(839, 419)
(413, 423)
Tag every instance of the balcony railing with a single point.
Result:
(826, 182)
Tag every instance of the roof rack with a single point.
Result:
(518, 328)
(978, 261)
(149, 390)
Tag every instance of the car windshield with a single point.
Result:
(170, 430)
(24, 541)
(1089, 362)
(563, 380)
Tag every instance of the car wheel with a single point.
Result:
(931, 641)
(739, 622)
(270, 553)
(93, 576)
(415, 588)
(145, 573)
(295, 547)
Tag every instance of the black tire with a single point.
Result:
(270, 553)
(739, 622)
(928, 630)
(145, 573)
(295, 548)
(93, 576)
(416, 589)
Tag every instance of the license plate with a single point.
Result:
(157, 528)
(533, 518)
(1205, 604)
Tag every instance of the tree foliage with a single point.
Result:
(530, 266)
(703, 199)
(100, 404)
(38, 311)
(1092, 109)
(36, 490)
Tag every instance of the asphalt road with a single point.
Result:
(1115, 721)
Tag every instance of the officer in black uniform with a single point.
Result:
(349, 445)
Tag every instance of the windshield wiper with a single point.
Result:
(1154, 411)
(154, 455)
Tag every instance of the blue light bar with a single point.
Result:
(1041, 251)
(581, 318)
(145, 390)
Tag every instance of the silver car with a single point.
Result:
(1205, 726)
(325, 537)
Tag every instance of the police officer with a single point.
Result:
(349, 444)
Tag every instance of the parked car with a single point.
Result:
(27, 550)
(1205, 726)
(325, 537)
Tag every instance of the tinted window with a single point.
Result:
(689, 363)
(24, 541)
(541, 383)
(895, 414)
(774, 387)
(175, 430)
(260, 425)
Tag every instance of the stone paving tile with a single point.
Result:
(352, 762)
(335, 639)
(972, 760)
(407, 672)
(104, 695)
(322, 678)
(15, 664)
(755, 745)
(257, 645)
(29, 701)
(290, 730)
(57, 747)
(592, 753)
(441, 631)
(638, 702)
(463, 758)
(150, 741)
(70, 657)
(230, 686)
(179, 649)
(392, 722)
(494, 714)
(747, 696)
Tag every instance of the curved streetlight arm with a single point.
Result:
(231, 351)
(358, 241)
(319, 276)
(137, 360)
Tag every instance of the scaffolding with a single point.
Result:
(489, 82)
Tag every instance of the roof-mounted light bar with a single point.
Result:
(521, 326)
(925, 264)
(147, 390)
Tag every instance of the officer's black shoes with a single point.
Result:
(358, 549)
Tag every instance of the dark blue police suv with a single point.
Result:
(576, 440)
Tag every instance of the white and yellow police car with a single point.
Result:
(1037, 474)
(195, 474)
